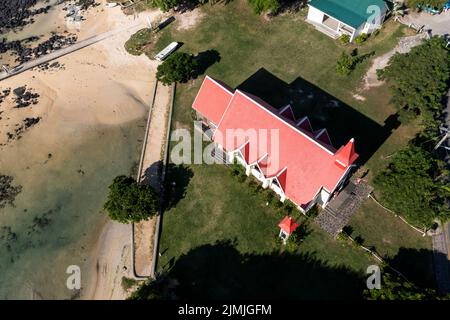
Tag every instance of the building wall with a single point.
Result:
(371, 26)
(324, 196)
(315, 15)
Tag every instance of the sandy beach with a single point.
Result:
(101, 85)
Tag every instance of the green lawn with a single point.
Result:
(211, 205)
(395, 241)
(218, 207)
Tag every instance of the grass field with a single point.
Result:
(247, 50)
(395, 241)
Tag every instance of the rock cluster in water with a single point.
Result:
(8, 192)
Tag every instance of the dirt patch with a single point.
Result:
(359, 97)
(405, 45)
(190, 19)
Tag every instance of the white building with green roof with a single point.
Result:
(351, 17)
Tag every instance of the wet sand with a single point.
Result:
(100, 88)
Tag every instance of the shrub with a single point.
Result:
(165, 5)
(344, 39)
(237, 171)
(297, 237)
(419, 79)
(261, 6)
(128, 283)
(345, 64)
(253, 185)
(348, 62)
(438, 4)
(412, 185)
(376, 32)
(361, 38)
(179, 67)
(313, 212)
(289, 206)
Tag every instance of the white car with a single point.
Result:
(111, 4)
(166, 51)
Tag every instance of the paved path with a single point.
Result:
(338, 212)
(64, 51)
(441, 262)
(150, 172)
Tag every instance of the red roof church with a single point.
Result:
(283, 152)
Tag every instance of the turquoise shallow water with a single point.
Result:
(56, 217)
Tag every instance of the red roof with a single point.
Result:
(346, 154)
(212, 99)
(302, 164)
(288, 225)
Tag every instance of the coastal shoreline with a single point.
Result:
(101, 85)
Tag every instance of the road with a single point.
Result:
(65, 51)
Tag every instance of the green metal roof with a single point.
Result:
(351, 12)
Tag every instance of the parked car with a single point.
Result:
(166, 51)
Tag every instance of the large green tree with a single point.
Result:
(414, 185)
(419, 79)
(129, 201)
(179, 67)
(395, 288)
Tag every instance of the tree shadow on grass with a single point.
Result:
(219, 271)
(323, 110)
(291, 6)
(205, 60)
(416, 265)
(176, 182)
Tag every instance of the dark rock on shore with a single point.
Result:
(4, 94)
(8, 192)
(25, 53)
(26, 124)
(18, 13)
(25, 97)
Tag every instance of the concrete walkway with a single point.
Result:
(441, 262)
(64, 51)
(338, 212)
(150, 173)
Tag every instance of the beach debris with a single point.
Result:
(8, 191)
